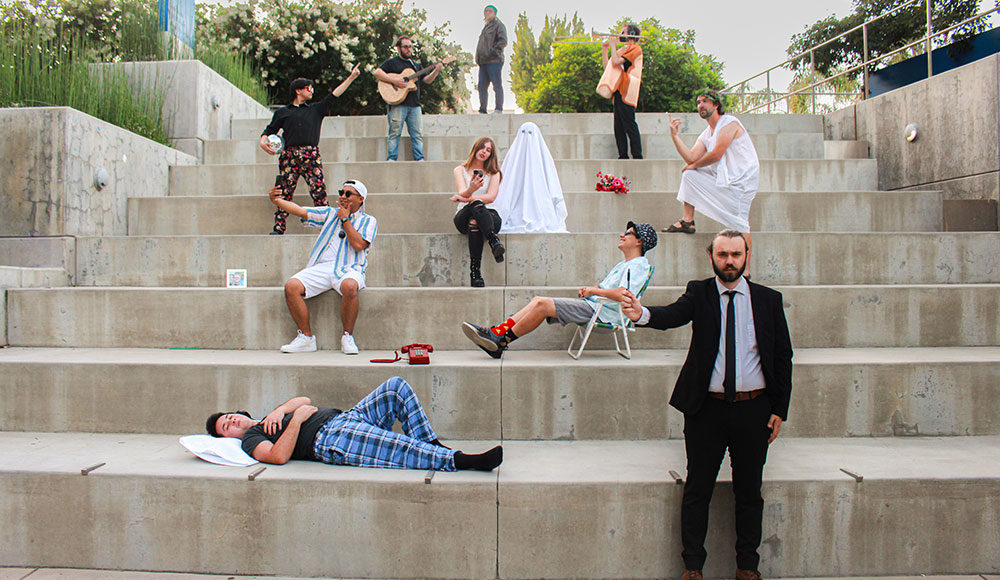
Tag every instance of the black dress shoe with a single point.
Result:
(485, 339)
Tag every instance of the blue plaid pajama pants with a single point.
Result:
(363, 437)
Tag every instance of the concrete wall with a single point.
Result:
(958, 146)
(200, 104)
(47, 161)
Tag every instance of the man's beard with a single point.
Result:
(731, 274)
(704, 113)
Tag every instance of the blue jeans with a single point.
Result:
(398, 114)
(490, 73)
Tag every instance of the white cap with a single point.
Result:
(360, 187)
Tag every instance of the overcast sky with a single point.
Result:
(747, 36)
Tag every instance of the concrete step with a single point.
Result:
(553, 510)
(840, 392)
(440, 260)
(573, 146)
(257, 318)
(436, 176)
(78, 574)
(551, 124)
(783, 211)
(19, 277)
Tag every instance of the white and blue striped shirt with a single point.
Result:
(330, 247)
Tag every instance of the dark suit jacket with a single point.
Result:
(700, 306)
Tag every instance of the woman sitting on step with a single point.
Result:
(477, 182)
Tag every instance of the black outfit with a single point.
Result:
(626, 129)
(301, 123)
(712, 425)
(397, 65)
(487, 227)
(307, 433)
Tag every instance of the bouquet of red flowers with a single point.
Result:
(608, 182)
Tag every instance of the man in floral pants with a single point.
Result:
(300, 124)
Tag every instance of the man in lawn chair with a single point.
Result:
(628, 277)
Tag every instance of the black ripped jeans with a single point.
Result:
(487, 226)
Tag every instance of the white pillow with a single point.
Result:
(219, 450)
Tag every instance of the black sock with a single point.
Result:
(487, 461)
(510, 336)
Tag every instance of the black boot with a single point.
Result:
(475, 275)
(497, 248)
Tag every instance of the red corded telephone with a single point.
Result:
(417, 354)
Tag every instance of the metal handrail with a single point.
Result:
(809, 51)
(866, 61)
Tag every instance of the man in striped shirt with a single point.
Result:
(338, 261)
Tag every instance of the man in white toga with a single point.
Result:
(722, 171)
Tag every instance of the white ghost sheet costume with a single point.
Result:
(530, 199)
(723, 190)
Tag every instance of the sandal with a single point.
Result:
(684, 227)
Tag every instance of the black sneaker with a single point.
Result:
(485, 339)
(277, 233)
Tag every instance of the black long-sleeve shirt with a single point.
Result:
(301, 124)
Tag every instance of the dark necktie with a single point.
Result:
(729, 382)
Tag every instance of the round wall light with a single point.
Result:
(910, 133)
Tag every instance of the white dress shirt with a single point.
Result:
(749, 376)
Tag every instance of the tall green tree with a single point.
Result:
(672, 71)
(884, 36)
(529, 54)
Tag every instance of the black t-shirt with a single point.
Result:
(307, 433)
(301, 123)
(396, 65)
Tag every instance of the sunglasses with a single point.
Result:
(630, 233)
(347, 194)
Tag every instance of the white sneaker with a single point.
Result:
(348, 345)
(302, 343)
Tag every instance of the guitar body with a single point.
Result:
(393, 94)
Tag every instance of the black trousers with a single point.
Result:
(626, 129)
(487, 226)
(742, 428)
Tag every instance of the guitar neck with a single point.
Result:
(419, 73)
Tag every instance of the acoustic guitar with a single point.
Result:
(394, 95)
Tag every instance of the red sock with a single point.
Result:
(502, 328)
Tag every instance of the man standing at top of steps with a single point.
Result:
(300, 124)
(733, 389)
(338, 261)
(489, 57)
(722, 171)
(408, 111)
(361, 436)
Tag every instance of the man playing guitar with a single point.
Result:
(408, 110)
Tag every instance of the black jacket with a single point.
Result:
(700, 305)
(492, 41)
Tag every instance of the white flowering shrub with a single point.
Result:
(321, 40)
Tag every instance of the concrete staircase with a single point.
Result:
(895, 325)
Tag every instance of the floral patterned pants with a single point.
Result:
(296, 162)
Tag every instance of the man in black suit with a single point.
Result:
(733, 389)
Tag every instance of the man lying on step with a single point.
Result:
(627, 277)
(360, 436)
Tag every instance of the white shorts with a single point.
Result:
(320, 278)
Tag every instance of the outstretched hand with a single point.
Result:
(355, 72)
(631, 306)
